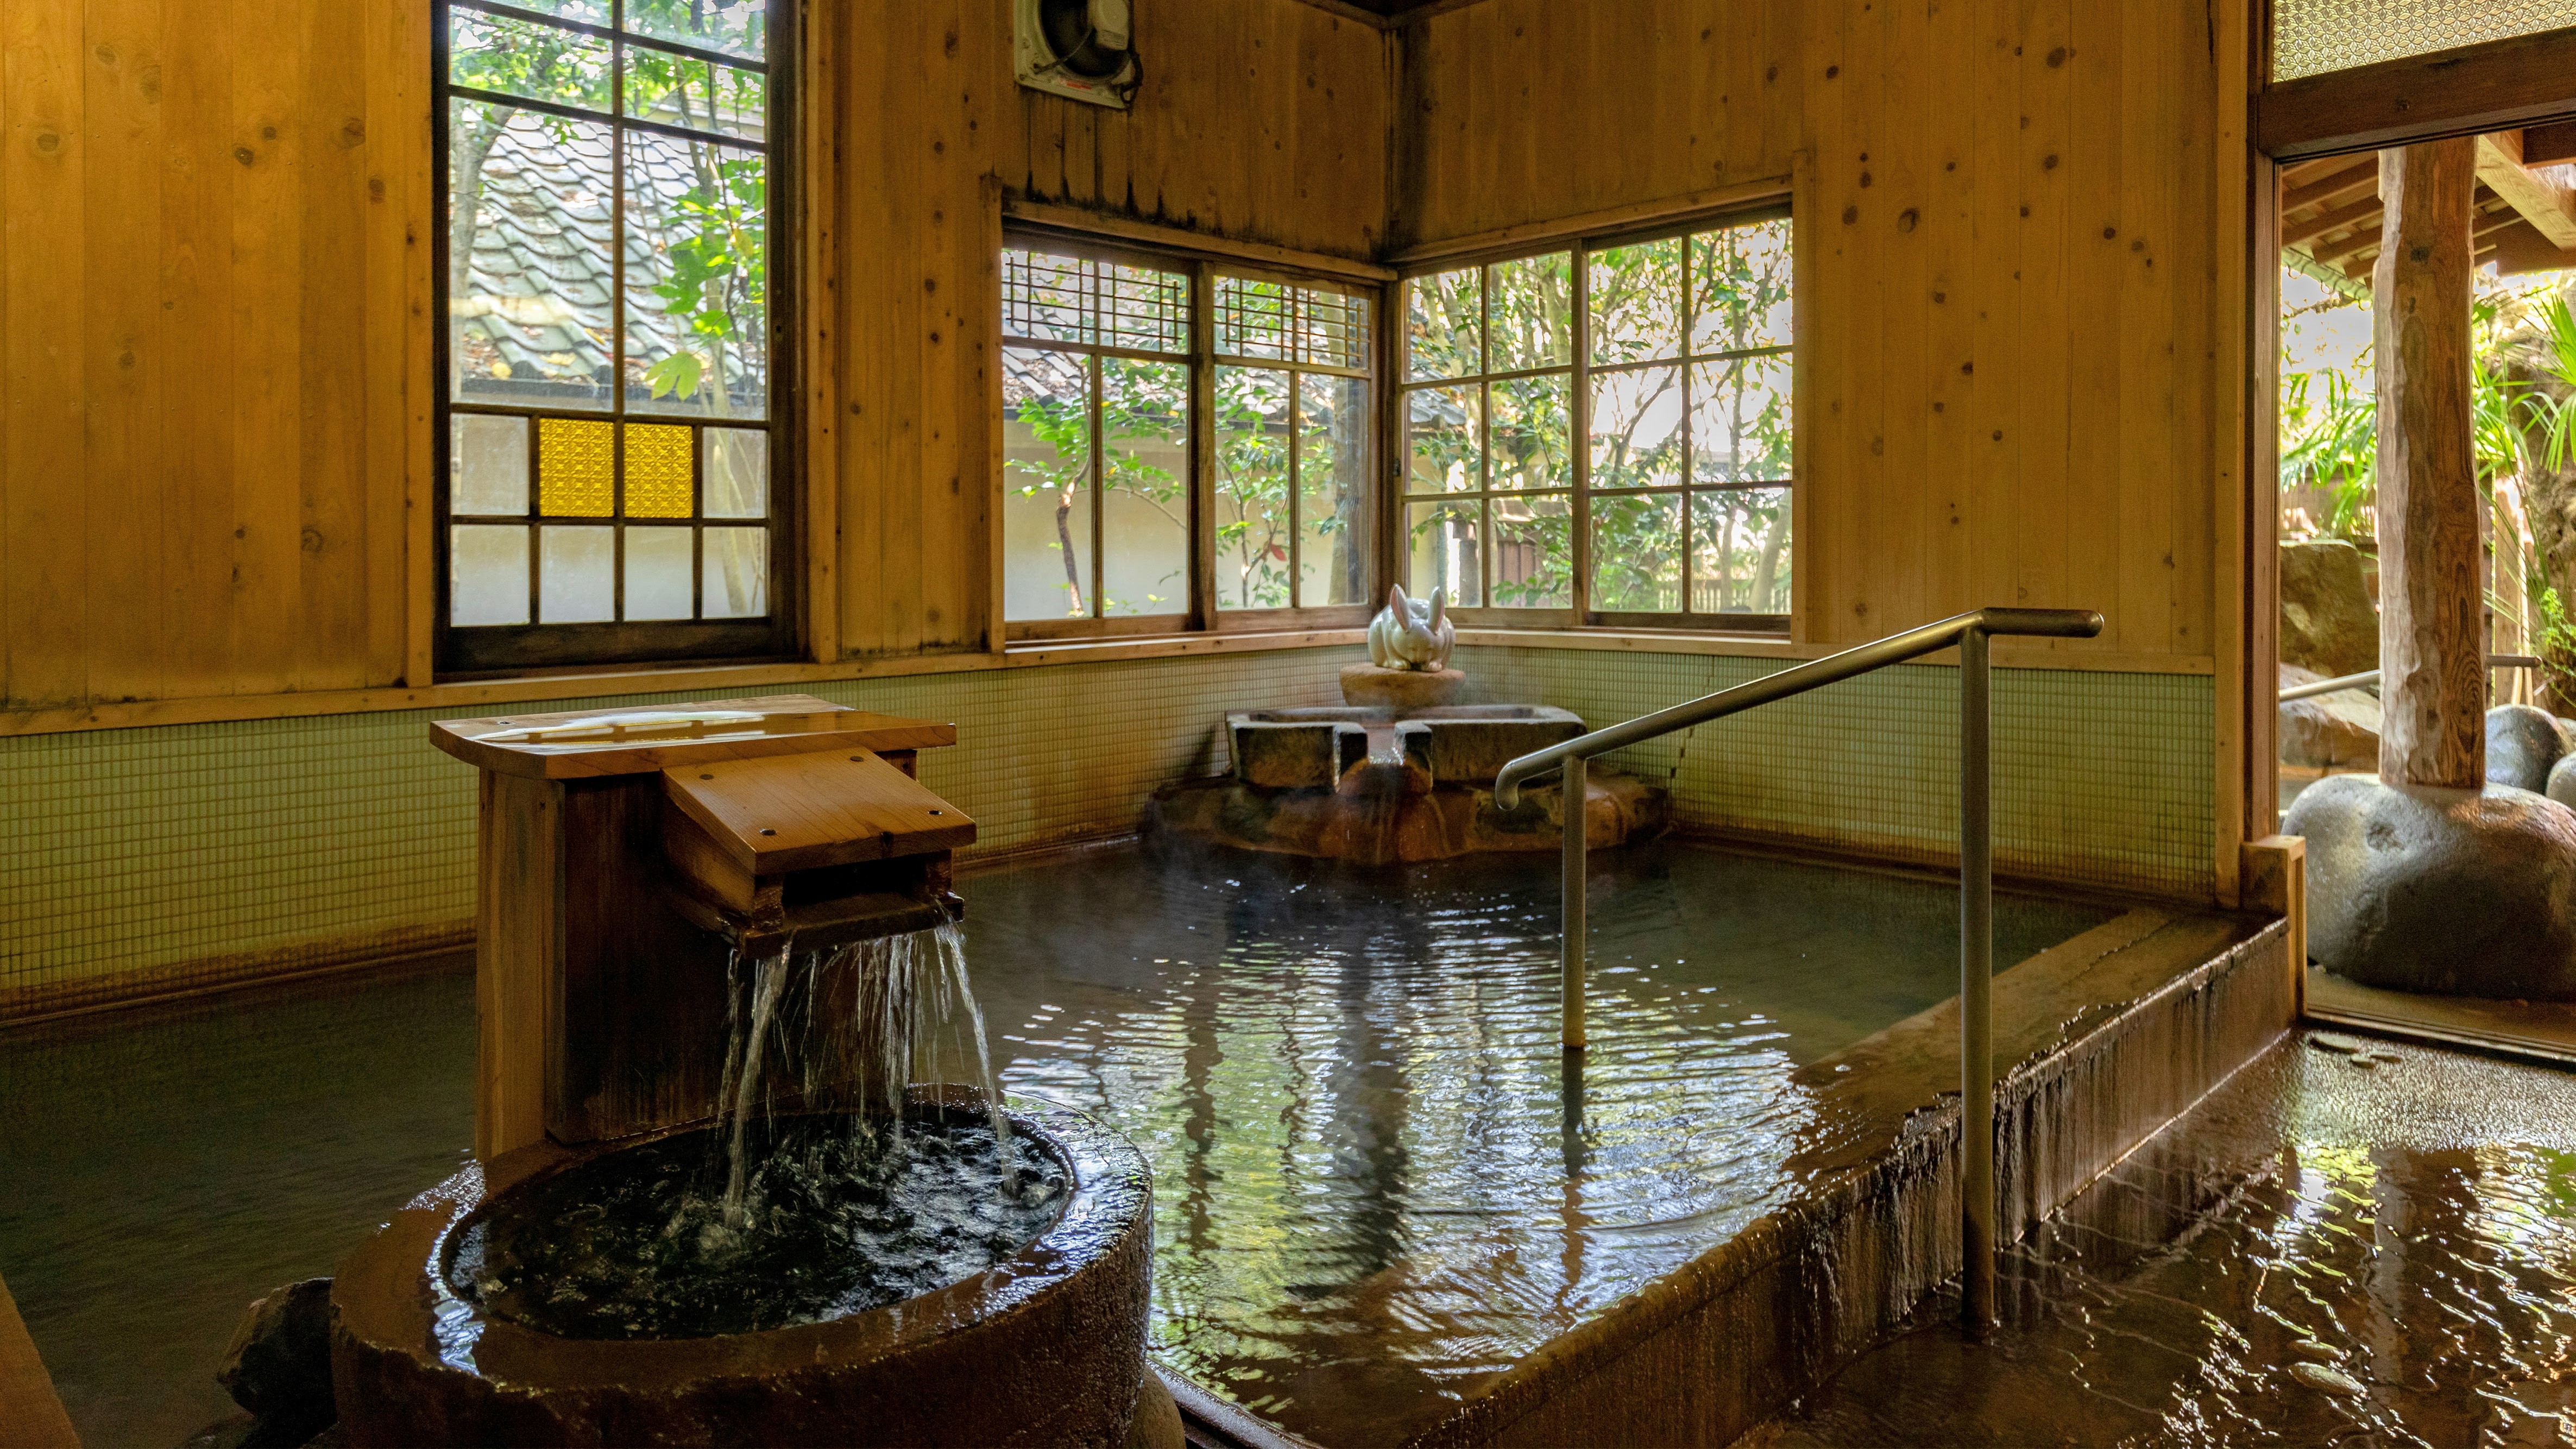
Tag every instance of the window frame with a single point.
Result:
(1397, 415)
(1200, 614)
(501, 650)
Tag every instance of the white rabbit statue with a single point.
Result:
(1409, 634)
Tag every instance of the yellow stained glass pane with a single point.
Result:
(657, 470)
(576, 468)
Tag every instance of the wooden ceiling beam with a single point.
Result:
(2336, 187)
(2349, 214)
(2544, 201)
(2520, 248)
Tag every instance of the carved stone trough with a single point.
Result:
(1377, 785)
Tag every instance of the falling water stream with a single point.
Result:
(829, 1186)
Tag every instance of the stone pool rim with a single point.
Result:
(1045, 1347)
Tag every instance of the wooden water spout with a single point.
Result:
(626, 856)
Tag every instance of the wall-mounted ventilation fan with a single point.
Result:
(1079, 48)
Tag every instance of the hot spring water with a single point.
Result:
(829, 1186)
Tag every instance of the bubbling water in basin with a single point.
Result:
(829, 1186)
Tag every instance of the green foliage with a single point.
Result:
(2330, 422)
(1142, 403)
(1738, 411)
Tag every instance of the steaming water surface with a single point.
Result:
(1374, 1185)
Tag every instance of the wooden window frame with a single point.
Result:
(1579, 248)
(1201, 615)
(501, 650)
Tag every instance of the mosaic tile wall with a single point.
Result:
(2099, 778)
(126, 850)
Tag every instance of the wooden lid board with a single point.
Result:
(796, 812)
(591, 744)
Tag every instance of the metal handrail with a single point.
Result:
(1970, 633)
(2368, 677)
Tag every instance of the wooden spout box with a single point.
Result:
(625, 855)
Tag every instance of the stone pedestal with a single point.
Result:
(1401, 690)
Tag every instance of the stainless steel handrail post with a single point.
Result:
(1578, 877)
(1972, 633)
(1976, 986)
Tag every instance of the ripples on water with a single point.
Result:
(834, 1219)
(2368, 1244)
(1374, 1182)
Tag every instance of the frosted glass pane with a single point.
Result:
(657, 573)
(487, 574)
(737, 585)
(737, 473)
(2310, 37)
(576, 575)
(490, 465)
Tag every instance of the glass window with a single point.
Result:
(1679, 489)
(1110, 380)
(1292, 425)
(1489, 428)
(607, 354)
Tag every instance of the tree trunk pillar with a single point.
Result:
(2432, 650)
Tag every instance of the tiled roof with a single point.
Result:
(540, 286)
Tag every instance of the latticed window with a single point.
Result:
(1292, 445)
(1181, 440)
(1605, 431)
(611, 443)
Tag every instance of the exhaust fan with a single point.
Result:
(1084, 49)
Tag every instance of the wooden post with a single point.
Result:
(2431, 644)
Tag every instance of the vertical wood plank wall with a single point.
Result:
(212, 274)
(1259, 120)
(215, 306)
(2010, 222)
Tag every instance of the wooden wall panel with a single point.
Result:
(2009, 258)
(1259, 120)
(201, 481)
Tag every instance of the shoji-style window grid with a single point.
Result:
(1293, 504)
(1668, 356)
(610, 443)
(1185, 444)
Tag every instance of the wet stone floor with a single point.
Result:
(2353, 1242)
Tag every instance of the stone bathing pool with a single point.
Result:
(1375, 1185)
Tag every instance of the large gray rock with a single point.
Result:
(2522, 745)
(279, 1364)
(2328, 623)
(2445, 892)
(2562, 781)
(2338, 731)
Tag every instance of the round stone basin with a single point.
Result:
(553, 1297)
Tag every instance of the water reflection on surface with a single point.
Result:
(1375, 1184)
(2350, 1243)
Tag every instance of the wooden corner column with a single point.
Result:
(2433, 684)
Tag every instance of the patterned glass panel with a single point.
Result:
(576, 468)
(2311, 37)
(657, 470)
